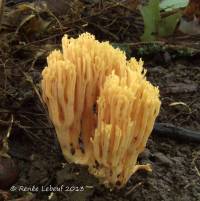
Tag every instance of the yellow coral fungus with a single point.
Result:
(101, 105)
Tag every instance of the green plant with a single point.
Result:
(156, 26)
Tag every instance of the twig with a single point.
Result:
(2, 4)
(8, 94)
(133, 188)
(57, 20)
(17, 124)
(197, 170)
(10, 127)
(107, 32)
(33, 136)
(169, 130)
(4, 149)
(162, 43)
(91, 16)
(29, 79)
(196, 155)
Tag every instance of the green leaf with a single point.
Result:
(168, 5)
(151, 17)
(168, 24)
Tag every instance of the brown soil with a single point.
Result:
(33, 144)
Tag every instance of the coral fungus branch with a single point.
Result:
(101, 105)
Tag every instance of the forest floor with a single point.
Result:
(32, 142)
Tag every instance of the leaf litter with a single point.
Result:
(28, 33)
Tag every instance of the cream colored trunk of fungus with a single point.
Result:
(101, 105)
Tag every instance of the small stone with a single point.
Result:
(64, 175)
(162, 158)
(145, 154)
(167, 57)
(178, 160)
(8, 172)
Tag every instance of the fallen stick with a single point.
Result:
(178, 133)
(1, 10)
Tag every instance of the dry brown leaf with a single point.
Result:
(193, 9)
(190, 22)
(190, 27)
